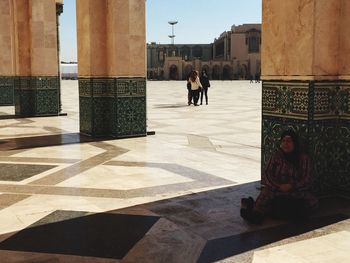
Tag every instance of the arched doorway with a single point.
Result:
(187, 71)
(227, 73)
(244, 71)
(216, 72)
(173, 72)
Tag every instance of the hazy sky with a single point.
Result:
(199, 21)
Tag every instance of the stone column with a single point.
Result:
(59, 11)
(306, 84)
(7, 66)
(112, 69)
(36, 84)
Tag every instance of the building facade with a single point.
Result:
(235, 54)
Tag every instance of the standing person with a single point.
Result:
(204, 79)
(257, 78)
(195, 86)
(288, 180)
(189, 91)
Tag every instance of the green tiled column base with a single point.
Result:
(112, 106)
(36, 96)
(320, 113)
(6, 90)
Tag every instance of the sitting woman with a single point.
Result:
(288, 182)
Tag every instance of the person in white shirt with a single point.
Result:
(196, 86)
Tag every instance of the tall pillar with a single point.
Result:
(59, 11)
(112, 69)
(7, 67)
(37, 82)
(306, 84)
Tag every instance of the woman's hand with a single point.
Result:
(285, 188)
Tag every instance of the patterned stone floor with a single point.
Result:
(169, 197)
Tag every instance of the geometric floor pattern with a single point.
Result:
(169, 197)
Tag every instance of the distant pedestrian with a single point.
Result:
(204, 79)
(257, 78)
(189, 91)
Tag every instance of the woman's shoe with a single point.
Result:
(251, 216)
(247, 203)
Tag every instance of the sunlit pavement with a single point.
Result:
(169, 197)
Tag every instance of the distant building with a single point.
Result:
(234, 55)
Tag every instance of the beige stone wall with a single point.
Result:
(92, 37)
(344, 45)
(287, 38)
(326, 37)
(238, 47)
(34, 38)
(303, 39)
(22, 37)
(111, 38)
(6, 39)
(43, 34)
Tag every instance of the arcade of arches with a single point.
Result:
(305, 72)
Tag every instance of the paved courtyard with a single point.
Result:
(169, 197)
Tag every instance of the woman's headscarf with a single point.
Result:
(292, 157)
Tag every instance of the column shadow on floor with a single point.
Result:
(113, 234)
(100, 235)
(222, 248)
(48, 140)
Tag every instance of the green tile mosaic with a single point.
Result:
(7, 91)
(112, 106)
(318, 111)
(36, 96)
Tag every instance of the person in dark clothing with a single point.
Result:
(257, 78)
(189, 91)
(288, 180)
(204, 79)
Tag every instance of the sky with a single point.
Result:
(199, 21)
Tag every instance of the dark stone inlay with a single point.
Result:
(18, 172)
(47, 140)
(221, 248)
(100, 235)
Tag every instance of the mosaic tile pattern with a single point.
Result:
(332, 99)
(6, 91)
(36, 96)
(319, 112)
(285, 99)
(112, 106)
